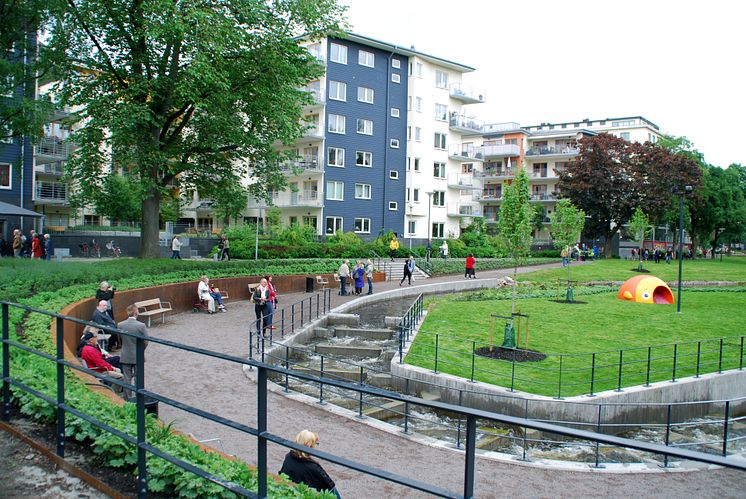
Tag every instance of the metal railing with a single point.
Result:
(263, 436)
(582, 373)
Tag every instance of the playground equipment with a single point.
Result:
(646, 289)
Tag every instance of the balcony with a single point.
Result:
(465, 125)
(300, 166)
(51, 192)
(501, 151)
(317, 93)
(544, 196)
(314, 132)
(463, 210)
(462, 181)
(465, 152)
(490, 197)
(547, 152)
(538, 176)
(289, 199)
(319, 55)
(51, 149)
(466, 94)
(491, 217)
(498, 173)
(501, 127)
(56, 169)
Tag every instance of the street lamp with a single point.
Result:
(256, 242)
(681, 193)
(429, 205)
(717, 241)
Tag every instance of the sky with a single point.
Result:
(680, 64)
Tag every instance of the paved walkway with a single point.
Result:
(222, 388)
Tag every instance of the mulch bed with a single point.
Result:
(642, 271)
(521, 355)
(576, 302)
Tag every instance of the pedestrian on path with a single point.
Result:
(470, 262)
(369, 275)
(176, 248)
(261, 298)
(444, 250)
(409, 267)
(393, 247)
(344, 273)
(300, 467)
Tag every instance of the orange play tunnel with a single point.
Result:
(646, 289)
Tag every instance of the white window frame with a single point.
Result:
(365, 191)
(394, 174)
(418, 69)
(338, 223)
(364, 225)
(412, 227)
(363, 58)
(336, 123)
(341, 56)
(365, 94)
(439, 169)
(418, 104)
(10, 176)
(439, 140)
(396, 63)
(439, 198)
(417, 134)
(441, 116)
(438, 230)
(393, 206)
(394, 143)
(367, 126)
(415, 195)
(367, 159)
(338, 90)
(331, 190)
(395, 112)
(441, 79)
(395, 78)
(339, 156)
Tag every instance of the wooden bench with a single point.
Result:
(148, 308)
(223, 294)
(323, 281)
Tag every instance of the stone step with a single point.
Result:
(335, 319)
(333, 373)
(395, 408)
(380, 380)
(368, 334)
(347, 350)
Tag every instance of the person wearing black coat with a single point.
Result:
(301, 468)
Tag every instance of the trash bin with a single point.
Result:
(151, 406)
(309, 284)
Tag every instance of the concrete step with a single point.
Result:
(368, 334)
(396, 408)
(333, 373)
(335, 319)
(380, 380)
(348, 350)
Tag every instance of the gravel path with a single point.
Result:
(222, 388)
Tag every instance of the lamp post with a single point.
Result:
(429, 228)
(717, 241)
(256, 241)
(681, 193)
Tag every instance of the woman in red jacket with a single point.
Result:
(37, 248)
(470, 262)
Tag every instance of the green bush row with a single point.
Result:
(440, 266)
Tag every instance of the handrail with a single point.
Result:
(260, 431)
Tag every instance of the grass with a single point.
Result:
(570, 334)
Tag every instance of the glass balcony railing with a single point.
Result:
(466, 93)
(465, 152)
(501, 127)
(464, 123)
(501, 150)
(551, 151)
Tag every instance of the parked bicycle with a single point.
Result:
(95, 250)
(113, 249)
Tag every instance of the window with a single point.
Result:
(362, 225)
(441, 112)
(409, 103)
(394, 143)
(365, 94)
(394, 174)
(418, 69)
(440, 140)
(624, 135)
(365, 126)
(393, 206)
(409, 133)
(5, 181)
(363, 158)
(417, 134)
(409, 163)
(337, 90)
(416, 164)
(412, 227)
(366, 58)
(416, 195)
(335, 156)
(362, 191)
(441, 79)
(439, 198)
(293, 221)
(334, 224)
(395, 63)
(418, 104)
(336, 123)
(338, 53)
(438, 231)
(395, 112)
(335, 190)
(623, 123)
(396, 77)
(439, 170)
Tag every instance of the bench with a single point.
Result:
(323, 281)
(223, 294)
(148, 308)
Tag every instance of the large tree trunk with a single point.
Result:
(608, 235)
(149, 232)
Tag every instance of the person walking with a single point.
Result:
(261, 298)
(409, 267)
(225, 253)
(17, 243)
(128, 355)
(444, 250)
(48, 247)
(344, 273)
(271, 303)
(369, 275)
(393, 247)
(176, 248)
(470, 263)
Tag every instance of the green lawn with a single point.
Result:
(569, 334)
(730, 269)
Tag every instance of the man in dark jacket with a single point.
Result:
(127, 357)
(100, 316)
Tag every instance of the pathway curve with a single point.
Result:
(222, 388)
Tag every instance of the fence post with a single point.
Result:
(282, 323)
(668, 434)
(302, 312)
(142, 463)
(593, 372)
(512, 373)
(321, 383)
(6, 364)
(598, 430)
(619, 376)
(287, 366)
(317, 306)
(525, 430)
(699, 351)
(740, 357)
(473, 353)
(559, 380)
(675, 353)
(406, 406)
(725, 428)
(458, 428)
(292, 318)
(471, 444)
(310, 308)
(720, 358)
(401, 343)
(360, 393)
(647, 376)
(60, 387)
(436, 354)
(261, 426)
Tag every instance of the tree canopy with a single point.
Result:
(185, 94)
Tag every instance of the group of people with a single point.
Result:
(265, 301)
(579, 253)
(35, 246)
(362, 272)
(658, 254)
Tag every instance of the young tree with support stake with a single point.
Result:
(514, 227)
(567, 225)
(638, 227)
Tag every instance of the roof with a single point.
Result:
(588, 121)
(17, 211)
(409, 52)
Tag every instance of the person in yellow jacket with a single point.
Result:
(393, 246)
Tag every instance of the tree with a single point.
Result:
(514, 225)
(186, 94)
(638, 228)
(567, 225)
(601, 183)
(119, 199)
(540, 215)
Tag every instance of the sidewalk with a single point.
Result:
(221, 388)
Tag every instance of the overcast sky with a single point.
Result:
(680, 64)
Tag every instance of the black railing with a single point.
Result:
(409, 322)
(144, 449)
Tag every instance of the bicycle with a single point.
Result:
(114, 249)
(94, 249)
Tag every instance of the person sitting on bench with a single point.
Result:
(205, 292)
(89, 351)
